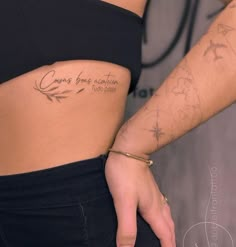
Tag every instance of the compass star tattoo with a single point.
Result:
(156, 130)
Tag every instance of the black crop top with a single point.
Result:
(36, 33)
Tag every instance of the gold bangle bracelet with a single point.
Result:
(147, 161)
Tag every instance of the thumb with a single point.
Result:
(126, 212)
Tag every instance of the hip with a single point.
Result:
(68, 205)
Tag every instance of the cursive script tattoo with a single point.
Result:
(81, 79)
(212, 48)
(59, 88)
(105, 85)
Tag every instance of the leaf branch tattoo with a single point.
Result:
(51, 91)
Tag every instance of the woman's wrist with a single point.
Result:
(129, 148)
(148, 162)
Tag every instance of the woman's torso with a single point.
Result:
(62, 112)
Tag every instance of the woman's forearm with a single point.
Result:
(203, 84)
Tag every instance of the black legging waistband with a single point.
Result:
(71, 182)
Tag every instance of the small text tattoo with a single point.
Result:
(107, 84)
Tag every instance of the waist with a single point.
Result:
(60, 114)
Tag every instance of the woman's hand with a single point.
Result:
(133, 187)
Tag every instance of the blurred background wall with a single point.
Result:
(198, 171)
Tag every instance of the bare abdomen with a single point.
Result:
(60, 113)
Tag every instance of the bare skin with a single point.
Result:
(48, 110)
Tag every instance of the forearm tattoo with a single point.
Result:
(213, 48)
(176, 108)
(56, 88)
(184, 87)
(216, 50)
(225, 30)
(181, 107)
(156, 131)
(185, 112)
